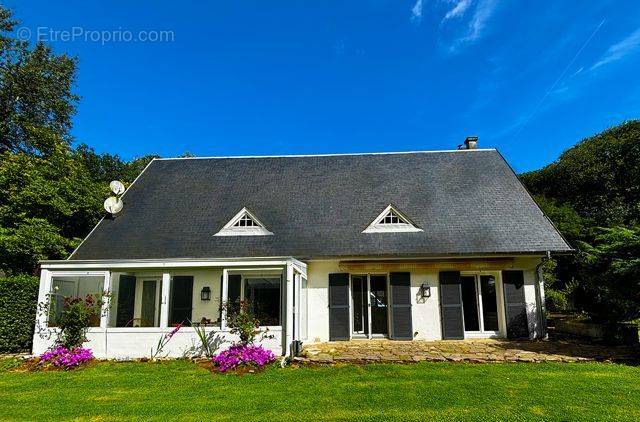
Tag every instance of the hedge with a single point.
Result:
(18, 303)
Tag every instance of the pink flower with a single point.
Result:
(243, 355)
(65, 358)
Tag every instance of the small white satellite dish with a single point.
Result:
(117, 187)
(113, 205)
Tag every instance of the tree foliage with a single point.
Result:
(52, 193)
(592, 194)
(599, 177)
(611, 274)
(36, 98)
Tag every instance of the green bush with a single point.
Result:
(556, 300)
(18, 303)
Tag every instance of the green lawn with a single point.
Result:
(426, 391)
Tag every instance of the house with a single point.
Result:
(417, 245)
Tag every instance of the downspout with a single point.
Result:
(540, 308)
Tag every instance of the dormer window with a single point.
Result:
(391, 221)
(244, 223)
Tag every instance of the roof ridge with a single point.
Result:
(327, 155)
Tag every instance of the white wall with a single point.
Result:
(425, 312)
(135, 343)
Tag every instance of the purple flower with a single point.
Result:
(243, 355)
(65, 358)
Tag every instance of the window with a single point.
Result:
(69, 287)
(261, 293)
(391, 220)
(135, 300)
(244, 223)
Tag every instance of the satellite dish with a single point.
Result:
(117, 187)
(113, 205)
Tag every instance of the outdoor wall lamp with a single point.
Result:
(425, 290)
(205, 294)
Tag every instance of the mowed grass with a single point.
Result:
(180, 390)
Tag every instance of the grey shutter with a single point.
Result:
(401, 327)
(451, 305)
(126, 300)
(515, 305)
(339, 306)
(181, 300)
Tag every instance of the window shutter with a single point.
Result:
(339, 306)
(126, 300)
(515, 304)
(181, 300)
(401, 326)
(451, 305)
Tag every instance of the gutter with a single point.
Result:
(541, 311)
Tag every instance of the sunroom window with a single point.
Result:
(70, 288)
(262, 295)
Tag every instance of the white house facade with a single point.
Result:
(407, 246)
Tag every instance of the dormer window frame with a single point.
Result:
(236, 227)
(405, 225)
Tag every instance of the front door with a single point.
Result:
(369, 316)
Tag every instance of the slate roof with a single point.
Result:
(467, 202)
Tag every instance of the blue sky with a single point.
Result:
(259, 78)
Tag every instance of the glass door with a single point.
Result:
(479, 303)
(378, 298)
(369, 306)
(360, 305)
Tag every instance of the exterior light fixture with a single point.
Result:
(425, 290)
(205, 294)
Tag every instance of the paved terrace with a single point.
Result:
(477, 351)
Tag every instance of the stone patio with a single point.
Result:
(476, 351)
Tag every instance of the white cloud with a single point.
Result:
(474, 27)
(458, 10)
(619, 50)
(481, 16)
(416, 11)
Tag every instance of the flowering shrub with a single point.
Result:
(78, 314)
(241, 320)
(61, 357)
(240, 355)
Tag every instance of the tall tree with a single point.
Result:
(36, 98)
(51, 193)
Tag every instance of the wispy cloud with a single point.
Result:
(474, 27)
(481, 16)
(416, 12)
(619, 50)
(458, 9)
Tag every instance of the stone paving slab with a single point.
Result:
(476, 351)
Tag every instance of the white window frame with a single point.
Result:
(230, 229)
(251, 273)
(377, 226)
(482, 333)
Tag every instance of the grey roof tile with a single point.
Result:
(317, 206)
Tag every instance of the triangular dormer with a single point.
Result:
(244, 223)
(391, 221)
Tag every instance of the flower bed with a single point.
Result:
(63, 358)
(243, 355)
